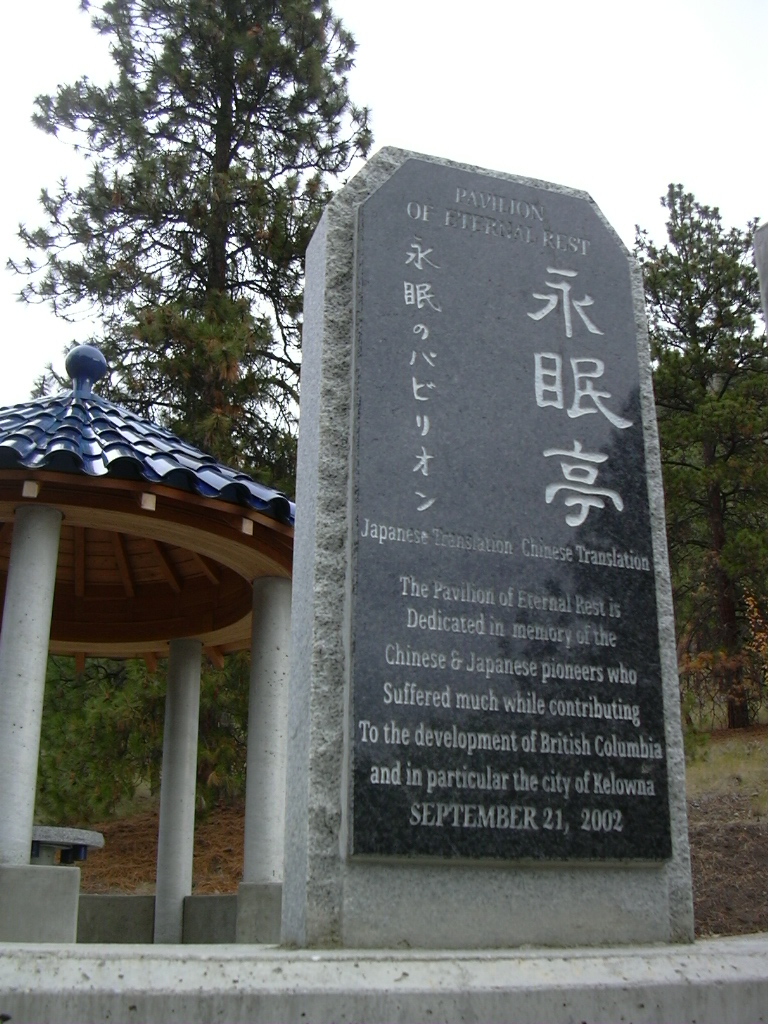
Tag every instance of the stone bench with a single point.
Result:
(74, 844)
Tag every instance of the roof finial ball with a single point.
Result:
(85, 365)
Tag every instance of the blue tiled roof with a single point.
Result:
(78, 432)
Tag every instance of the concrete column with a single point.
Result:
(259, 896)
(24, 641)
(176, 830)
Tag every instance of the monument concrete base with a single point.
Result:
(38, 903)
(259, 908)
(465, 907)
(707, 982)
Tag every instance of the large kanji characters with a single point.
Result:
(582, 397)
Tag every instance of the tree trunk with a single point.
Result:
(738, 711)
(218, 236)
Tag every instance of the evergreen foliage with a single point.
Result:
(102, 737)
(209, 161)
(711, 384)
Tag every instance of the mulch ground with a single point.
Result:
(128, 861)
(729, 857)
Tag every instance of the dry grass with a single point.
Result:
(732, 764)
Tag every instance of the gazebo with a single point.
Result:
(117, 539)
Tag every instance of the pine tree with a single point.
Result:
(711, 384)
(209, 158)
(102, 737)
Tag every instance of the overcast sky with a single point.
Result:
(612, 97)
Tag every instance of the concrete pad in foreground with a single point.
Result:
(722, 981)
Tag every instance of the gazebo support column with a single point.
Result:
(259, 896)
(36, 903)
(176, 830)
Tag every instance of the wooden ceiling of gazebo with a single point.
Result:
(141, 564)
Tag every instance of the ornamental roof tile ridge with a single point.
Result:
(79, 432)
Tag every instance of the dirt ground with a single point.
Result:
(729, 857)
(729, 861)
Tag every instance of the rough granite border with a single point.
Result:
(679, 867)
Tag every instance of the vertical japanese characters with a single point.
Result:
(419, 294)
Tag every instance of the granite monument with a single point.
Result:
(485, 743)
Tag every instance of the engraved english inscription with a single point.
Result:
(506, 684)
